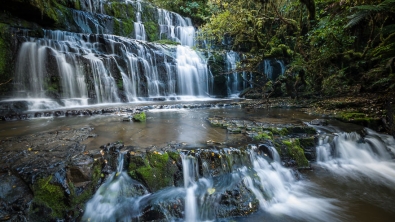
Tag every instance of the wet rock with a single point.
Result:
(319, 122)
(79, 171)
(15, 196)
(154, 169)
(50, 172)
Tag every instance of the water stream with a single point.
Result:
(352, 180)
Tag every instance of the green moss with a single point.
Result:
(117, 27)
(307, 142)
(296, 152)
(120, 84)
(167, 42)
(174, 155)
(359, 118)
(3, 50)
(157, 171)
(51, 196)
(278, 131)
(267, 135)
(349, 116)
(128, 28)
(152, 30)
(77, 5)
(139, 117)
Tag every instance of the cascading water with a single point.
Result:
(139, 29)
(193, 76)
(355, 156)
(81, 69)
(268, 69)
(176, 28)
(117, 199)
(265, 183)
(236, 81)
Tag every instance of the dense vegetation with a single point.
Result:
(330, 46)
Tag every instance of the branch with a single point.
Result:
(6, 82)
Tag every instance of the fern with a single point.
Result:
(364, 11)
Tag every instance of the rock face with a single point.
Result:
(49, 175)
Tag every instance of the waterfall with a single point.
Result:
(356, 156)
(193, 76)
(176, 28)
(235, 81)
(139, 29)
(107, 69)
(281, 63)
(268, 69)
(232, 80)
(77, 69)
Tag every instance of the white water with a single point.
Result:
(278, 191)
(284, 194)
(193, 75)
(139, 29)
(362, 158)
(235, 81)
(88, 70)
(176, 28)
(116, 199)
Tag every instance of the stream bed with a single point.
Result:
(357, 186)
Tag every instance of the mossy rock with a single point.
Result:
(307, 142)
(359, 119)
(296, 152)
(166, 42)
(277, 131)
(139, 117)
(49, 197)
(155, 170)
(265, 135)
(53, 201)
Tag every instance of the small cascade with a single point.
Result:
(236, 82)
(189, 168)
(118, 199)
(268, 68)
(232, 79)
(176, 28)
(282, 66)
(139, 29)
(87, 23)
(243, 181)
(356, 156)
(95, 6)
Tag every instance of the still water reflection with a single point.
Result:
(163, 126)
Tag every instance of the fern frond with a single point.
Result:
(363, 11)
(356, 18)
